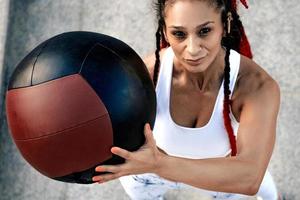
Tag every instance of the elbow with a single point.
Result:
(252, 189)
(253, 184)
(251, 177)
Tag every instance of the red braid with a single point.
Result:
(234, 4)
(228, 126)
(227, 104)
(245, 48)
(244, 2)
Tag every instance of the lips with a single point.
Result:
(194, 61)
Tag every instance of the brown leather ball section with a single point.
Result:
(59, 113)
(72, 98)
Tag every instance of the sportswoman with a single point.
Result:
(216, 109)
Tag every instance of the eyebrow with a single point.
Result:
(199, 26)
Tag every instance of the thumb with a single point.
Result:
(149, 135)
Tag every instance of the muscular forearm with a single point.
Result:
(240, 174)
(219, 174)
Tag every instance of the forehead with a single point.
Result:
(191, 12)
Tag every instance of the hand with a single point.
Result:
(144, 160)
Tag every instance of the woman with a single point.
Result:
(216, 113)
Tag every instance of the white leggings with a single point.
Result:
(152, 187)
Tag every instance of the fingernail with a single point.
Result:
(99, 169)
(96, 179)
(113, 149)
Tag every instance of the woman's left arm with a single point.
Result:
(239, 174)
(244, 172)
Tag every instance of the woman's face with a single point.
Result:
(194, 30)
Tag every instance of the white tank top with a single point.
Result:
(208, 141)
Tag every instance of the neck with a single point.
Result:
(204, 81)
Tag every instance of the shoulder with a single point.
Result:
(150, 61)
(254, 84)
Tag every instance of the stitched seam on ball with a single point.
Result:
(112, 51)
(58, 132)
(41, 51)
(88, 53)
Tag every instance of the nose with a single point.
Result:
(193, 46)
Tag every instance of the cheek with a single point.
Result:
(178, 51)
(214, 41)
(178, 47)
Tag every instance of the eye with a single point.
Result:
(178, 34)
(204, 31)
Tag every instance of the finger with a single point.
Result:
(105, 177)
(121, 152)
(108, 168)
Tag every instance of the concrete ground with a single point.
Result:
(273, 29)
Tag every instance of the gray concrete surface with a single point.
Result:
(3, 29)
(273, 30)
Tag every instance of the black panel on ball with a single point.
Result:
(62, 55)
(85, 176)
(22, 75)
(126, 91)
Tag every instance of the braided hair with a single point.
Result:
(235, 39)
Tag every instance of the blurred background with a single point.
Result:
(273, 30)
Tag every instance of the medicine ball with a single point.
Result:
(74, 97)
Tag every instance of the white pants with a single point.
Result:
(152, 187)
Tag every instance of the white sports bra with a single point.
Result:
(208, 141)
